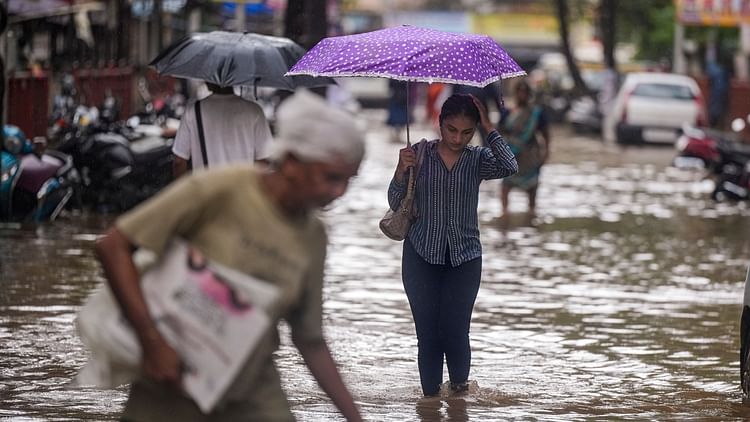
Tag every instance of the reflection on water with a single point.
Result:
(621, 301)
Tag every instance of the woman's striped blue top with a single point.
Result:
(446, 201)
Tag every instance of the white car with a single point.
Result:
(652, 107)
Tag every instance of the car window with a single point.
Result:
(655, 90)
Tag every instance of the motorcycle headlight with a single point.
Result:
(13, 145)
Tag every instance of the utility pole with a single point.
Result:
(239, 16)
(678, 54)
(3, 80)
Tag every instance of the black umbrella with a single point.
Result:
(236, 59)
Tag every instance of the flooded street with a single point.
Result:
(621, 301)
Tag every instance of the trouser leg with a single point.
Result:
(458, 294)
(421, 285)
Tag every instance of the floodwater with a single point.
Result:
(620, 301)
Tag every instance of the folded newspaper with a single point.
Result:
(212, 315)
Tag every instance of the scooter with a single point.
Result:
(160, 109)
(699, 147)
(37, 183)
(723, 155)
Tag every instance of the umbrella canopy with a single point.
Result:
(235, 59)
(410, 53)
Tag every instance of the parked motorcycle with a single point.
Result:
(65, 102)
(161, 110)
(36, 183)
(119, 165)
(723, 155)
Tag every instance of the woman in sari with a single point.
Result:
(526, 132)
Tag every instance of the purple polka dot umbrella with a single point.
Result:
(411, 53)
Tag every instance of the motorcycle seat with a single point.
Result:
(152, 155)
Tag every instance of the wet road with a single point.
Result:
(621, 301)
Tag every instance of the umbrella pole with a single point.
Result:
(408, 142)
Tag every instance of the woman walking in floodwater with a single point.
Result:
(442, 255)
(526, 130)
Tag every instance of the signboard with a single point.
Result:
(518, 28)
(730, 13)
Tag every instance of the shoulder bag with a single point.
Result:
(396, 223)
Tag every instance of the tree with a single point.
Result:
(607, 22)
(563, 16)
(649, 24)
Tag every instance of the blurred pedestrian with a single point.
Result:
(234, 130)
(442, 253)
(526, 130)
(718, 98)
(399, 112)
(435, 91)
(260, 221)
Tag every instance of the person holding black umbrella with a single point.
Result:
(233, 129)
(218, 130)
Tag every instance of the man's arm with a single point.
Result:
(320, 362)
(183, 141)
(179, 166)
(160, 361)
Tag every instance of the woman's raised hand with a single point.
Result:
(484, 119)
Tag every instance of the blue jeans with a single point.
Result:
(441, 299)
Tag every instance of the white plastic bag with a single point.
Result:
(212, 315)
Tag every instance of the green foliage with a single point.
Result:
(650, 26)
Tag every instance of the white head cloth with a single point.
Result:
(314, 131)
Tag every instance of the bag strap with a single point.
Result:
(421, 148)
(201, 137)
